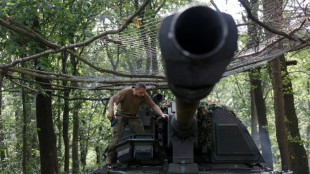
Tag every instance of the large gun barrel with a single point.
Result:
(196, 45)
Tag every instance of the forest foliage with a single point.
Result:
(88, 49)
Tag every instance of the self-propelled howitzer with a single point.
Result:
(196, 44)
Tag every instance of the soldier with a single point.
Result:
(128, 102)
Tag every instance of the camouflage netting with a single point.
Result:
(142, 45)
(204, 122)
(119, 59)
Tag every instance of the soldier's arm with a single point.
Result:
(111, 108)
(156, 108)
(158, 111)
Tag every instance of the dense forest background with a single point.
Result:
(61, 60)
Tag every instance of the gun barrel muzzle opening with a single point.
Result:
(198, 32)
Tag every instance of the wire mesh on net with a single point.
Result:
(137, 44)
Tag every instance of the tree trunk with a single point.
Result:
(273, 16)
(47, 137)
(65, 123)
(83, 151)
(75, 137)
(65, 127)
(251, 44)
(25, 141)
(308, 138)
(58, 121)
(84, 144)
(17, 132)
(308, 128)
(2, 147)
(32, 134)
(26, 135)
(280, 113)
(75, 141)
(254, 121)
(98, 148)
(262, 116)
(297, 151)
(98, 156)
(59, 146)
(259, 106)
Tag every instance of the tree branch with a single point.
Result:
(259, 60)
(21, 85)
(25, 59)
(115, 86)
(268, 28)
(274, 42)
(30, 33)
(52, 76)
(114, 72)
(119, 42)
(81, 98)
(215, 6)
(57, 49)
(86, 42)
(158, 9)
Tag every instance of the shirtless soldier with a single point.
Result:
(128, 102)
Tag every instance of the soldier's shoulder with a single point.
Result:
(125, 90)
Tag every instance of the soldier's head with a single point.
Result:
(140, 89)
